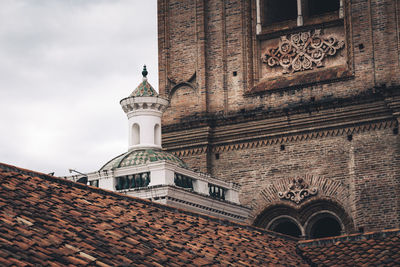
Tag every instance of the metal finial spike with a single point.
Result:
(144, 72)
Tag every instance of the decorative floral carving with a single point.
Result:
(300, 51)
(298, 191)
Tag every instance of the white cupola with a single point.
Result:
(144, 108)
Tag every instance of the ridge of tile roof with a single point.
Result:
(48, 219)
(381, 248)
(9, 167)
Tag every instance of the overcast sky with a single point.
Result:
(64, 67)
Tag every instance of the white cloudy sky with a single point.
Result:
(64, 66)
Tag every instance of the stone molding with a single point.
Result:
(298, 190)
(327, 189)
(301, 51)
(190, 151)
(306, 136)
(274, 140)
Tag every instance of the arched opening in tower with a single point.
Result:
(288, 228)
(325, 227)
(135, 134)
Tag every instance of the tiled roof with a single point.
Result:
(46, 220)
(368, 249)
(142, 157)
(144, 89)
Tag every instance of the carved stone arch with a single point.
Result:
(175, 85)
(305, 216)
(279, 220)
(306, 188)
(179, 85)
(184, 100)
(311, 211)
(274, 215)
(270, 213)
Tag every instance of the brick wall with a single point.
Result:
(367, 167)
(216, 40)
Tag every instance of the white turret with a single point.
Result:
(144, 108)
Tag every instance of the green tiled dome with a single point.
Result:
(142, 157)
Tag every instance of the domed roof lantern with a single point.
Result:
(144, 108)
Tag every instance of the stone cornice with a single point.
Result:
(329, 120)
(372, 95)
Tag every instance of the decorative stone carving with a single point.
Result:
(298, 191)
(301, 51)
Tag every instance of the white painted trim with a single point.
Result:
(258, 25)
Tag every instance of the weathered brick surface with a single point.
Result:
(367, 166)
(370, 33)
(370, 176)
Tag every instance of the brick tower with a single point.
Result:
(296, 100)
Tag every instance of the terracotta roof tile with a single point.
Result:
(375, 248)
(45, 219)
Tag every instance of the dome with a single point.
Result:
(144, 88)
(142, 157)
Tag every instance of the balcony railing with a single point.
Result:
(183, 181)
(216, 191)
(133, 181)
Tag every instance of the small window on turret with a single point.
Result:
(135, 134)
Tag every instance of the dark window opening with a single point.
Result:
(279, 10)
(325, 227)
(94, 183)
(82, 180)
(217, 156)
(216, 191)
(282, 147)
(287, 228)
(235, 73)
(350, 137)
(183, 181)
(133, 181)
(318, 7)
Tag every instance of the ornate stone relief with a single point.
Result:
(301, 51)
(298, 191)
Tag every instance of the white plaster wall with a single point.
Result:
(161, 177)
(200, 187)
(107, 183)
(146, 119)
(232, 195)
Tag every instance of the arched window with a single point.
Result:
(157, 134)
(285, 225)
(135, 134)
(317, 219)
(325, 226)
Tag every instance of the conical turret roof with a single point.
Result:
(144, 88)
